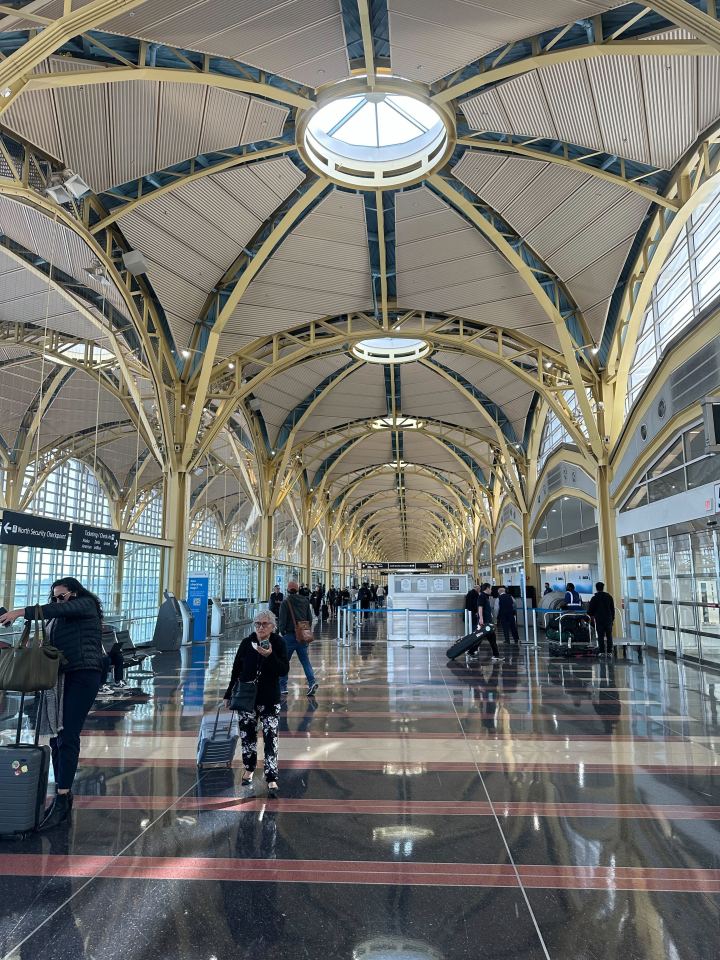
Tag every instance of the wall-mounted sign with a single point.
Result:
(86, 539)
(197, 598)
(402, 566)
(25, 530)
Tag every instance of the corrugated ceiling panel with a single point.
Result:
(329, 279)
(164, 247)
(255, 320)
(133, 127)
(181, 329)
(450, 273)
(595, 319)
(570, 100)
(417, 201)
(596, 282)
(220, 208)
(18, 388)
(315, 252)
(486, 112)
(86, 145)
(331, 66)
(433, 226)
(225, 113)
(461, 244)
(193, 230)
(617, 90)
(708, 91)
(181, 115)
(34, 117)
(671, 105)
(575, 213)
(542, 196)
(612, 227)
(175, 292)
(512, 177)
(251, 189)
(264, 120)
(318, 302)
(526, 107)
(475, 168)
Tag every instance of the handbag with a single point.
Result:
(244, 693)
(303, 628)
(25, 668)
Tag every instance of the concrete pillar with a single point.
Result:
(118, 583)
(265, 581)
(306, 557)
(609, 554)
(8, 575)
(176, 527)
(493, 562)
(531, 571)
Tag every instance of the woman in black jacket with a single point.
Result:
(262, 656)
(75, 628)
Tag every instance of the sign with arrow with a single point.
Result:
(86, 539)
(25, 530)
(401, 566)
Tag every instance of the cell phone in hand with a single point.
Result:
(2, 611)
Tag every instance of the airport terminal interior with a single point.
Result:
(365, 294)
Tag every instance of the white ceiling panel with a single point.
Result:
(526, 107)
(616, 85)
(570, 100)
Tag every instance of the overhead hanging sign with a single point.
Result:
(25, 530)
(402, 566)
(100, 540)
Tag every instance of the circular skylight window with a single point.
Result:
(391, 350)
(375, 138)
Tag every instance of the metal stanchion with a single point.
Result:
(407, 645)
(534, 628)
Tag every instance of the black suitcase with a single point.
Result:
(324, 611)
(470, 642)
(24, 769)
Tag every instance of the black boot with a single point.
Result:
(59, 812)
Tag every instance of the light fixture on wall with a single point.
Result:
(66, 186)
(98, 273)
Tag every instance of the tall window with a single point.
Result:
(208, 533)
(555, 433)
(71, 492)
(239, 539)
(689, 282)
(149, 523)
(140, 588)
(211, 565)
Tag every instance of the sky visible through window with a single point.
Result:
(375, 120)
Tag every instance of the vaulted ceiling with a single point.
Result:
(233, 353)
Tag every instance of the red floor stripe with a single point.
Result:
(409, 769)
(362, 872)
(444, 808)
(390, 734)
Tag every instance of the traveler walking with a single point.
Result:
(286, 628)
(261, 657)
(276, 598)
(472, 598)
(507, 615)
(485, 618)
(75, 628)
(602, 609)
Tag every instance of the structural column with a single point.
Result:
(306, 557)
(609, 551)
(328, 555)
(528, 555)
(176, 515)
(265, 583)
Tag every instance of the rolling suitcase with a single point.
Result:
(24, 769)
(470, 642)
(218, 739)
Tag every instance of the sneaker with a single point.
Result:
(105, 691)
(496, 659)
(312, 689)
(119, 684)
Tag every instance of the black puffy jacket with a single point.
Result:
(76, 631)
(246, 664)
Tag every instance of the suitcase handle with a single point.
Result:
(217, 718)
(18, 732)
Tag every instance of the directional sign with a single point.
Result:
(24, 530)
(94, 540)
(402, 566)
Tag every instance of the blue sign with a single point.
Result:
(197, 598)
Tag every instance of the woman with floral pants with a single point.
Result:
(263, 657)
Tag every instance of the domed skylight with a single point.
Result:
(376, 138)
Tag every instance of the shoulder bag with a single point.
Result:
(303, 628)
(25, 668)
(244, 693)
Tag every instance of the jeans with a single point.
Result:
(302, 651)
(604, 638)
(80, 690)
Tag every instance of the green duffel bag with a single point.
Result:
(26, 669)
(552, 634)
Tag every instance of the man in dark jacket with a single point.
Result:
(276, 598)
(472, 598)
(485, 617)
(286, 629)
(364, 597)
(506, 615)
(602, 609)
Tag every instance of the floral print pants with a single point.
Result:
(269, 717)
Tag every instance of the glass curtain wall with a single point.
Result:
(671, 584)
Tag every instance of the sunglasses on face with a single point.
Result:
(61, 597)
(262, 623)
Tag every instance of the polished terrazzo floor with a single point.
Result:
(531, 808)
